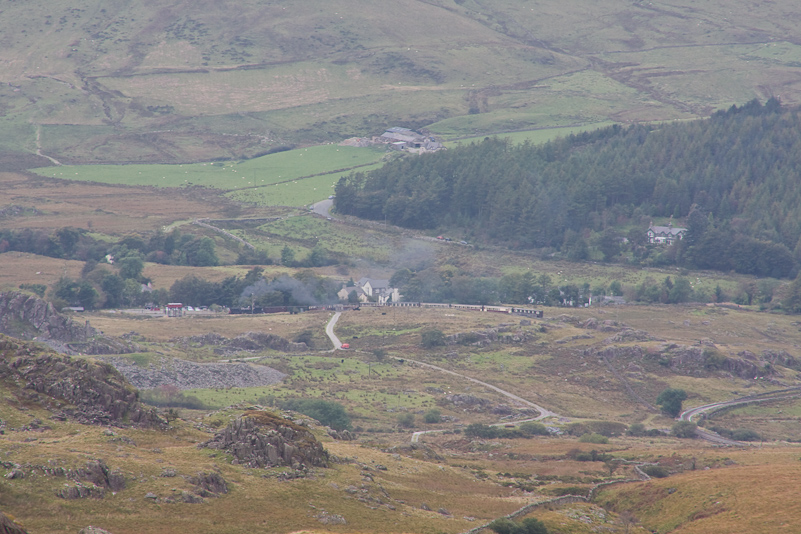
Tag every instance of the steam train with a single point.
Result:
(471, 307)
(342, 307)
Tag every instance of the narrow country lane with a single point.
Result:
(329, 331)
(688, 415)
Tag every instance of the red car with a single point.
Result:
(345, 346)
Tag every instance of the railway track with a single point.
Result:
(688, 415)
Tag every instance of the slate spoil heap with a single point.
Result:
(87, 391)
(261, 439)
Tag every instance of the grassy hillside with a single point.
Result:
(170, 81)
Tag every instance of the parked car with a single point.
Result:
(346, 345)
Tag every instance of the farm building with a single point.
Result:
(406, 139)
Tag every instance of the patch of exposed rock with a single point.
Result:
(697, 360)
(501, 334)
(189, 375)
(469, 401)
(208, 485)
(87, 391)
(630, 334)
(92, 481)
(9, 526)
(14, 210)
(247, 342)
(330, 519)
(700, 360)
(262, 439)
(340, 435)
(602, 326)
(29, 317)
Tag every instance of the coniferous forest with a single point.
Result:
(734, 180)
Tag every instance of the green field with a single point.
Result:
(282, 168)
(103, 84)
(542, 135)
(295, 193)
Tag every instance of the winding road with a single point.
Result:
(323, 208)
(329, 331)
(688, 415)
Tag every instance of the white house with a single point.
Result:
(378, 290)
(665, 235)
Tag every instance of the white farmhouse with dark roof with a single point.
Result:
(379, 290)
(665, 235)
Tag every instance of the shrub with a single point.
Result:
(637, 430)
(684, 429)
(432, 416)
(406, 420)
(307, 337)
(655, 471)
(670, 401)
(609, 429)
(38, 289)
(432, 338)
(743, 434)
(477, 430)
(326, 412)
(534, 429)
(594, 438)
(592, 456)
(529, 525)
(577, 429)
(171, 396)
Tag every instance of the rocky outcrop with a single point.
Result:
(92, 481)
(469, 401)
(262, 439)
(602, 326)
(189, 375)
(628, 335)
(29, 317)
(703, 359)
(98, 473)
(247, 342)
(697, 360)
(209, 484)
(87, 391)
(9, 526)
(502, 334)
(341, 435)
